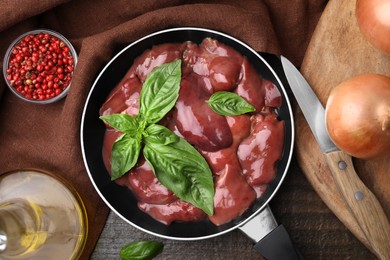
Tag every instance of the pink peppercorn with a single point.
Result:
(40, 66)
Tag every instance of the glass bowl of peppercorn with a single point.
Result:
(38, 66)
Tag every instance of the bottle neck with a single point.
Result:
(3, 241)
(18, 227)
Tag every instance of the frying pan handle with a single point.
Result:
(278, 245)
(272, 241)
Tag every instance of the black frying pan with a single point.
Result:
(120, 199)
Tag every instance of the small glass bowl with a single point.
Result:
(9, 53)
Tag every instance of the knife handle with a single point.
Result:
(363, 204)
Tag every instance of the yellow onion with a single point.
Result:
(358, 116)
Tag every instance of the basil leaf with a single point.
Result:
(229, 104)
(141, 250)
(160, 134)
(124, 155)
(122, 122)
(175, 162)
(183, 170)
(160, 91)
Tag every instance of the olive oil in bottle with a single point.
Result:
(40, 217)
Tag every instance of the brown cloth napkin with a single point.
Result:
(48, 136)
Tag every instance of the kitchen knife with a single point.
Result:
(362, 203)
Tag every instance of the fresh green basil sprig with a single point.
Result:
(229, 104)
(142, 250)
(175, 162)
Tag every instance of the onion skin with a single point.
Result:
(357, 116)
(373, 17)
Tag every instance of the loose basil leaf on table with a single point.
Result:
(142, 250)
(160, 91)
(229, 104)
(183, 170)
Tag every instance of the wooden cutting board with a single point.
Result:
(338, 51)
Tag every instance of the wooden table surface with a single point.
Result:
(316, 231)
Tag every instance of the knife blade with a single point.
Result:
(361, 202)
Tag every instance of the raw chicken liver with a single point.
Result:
(242, 151)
